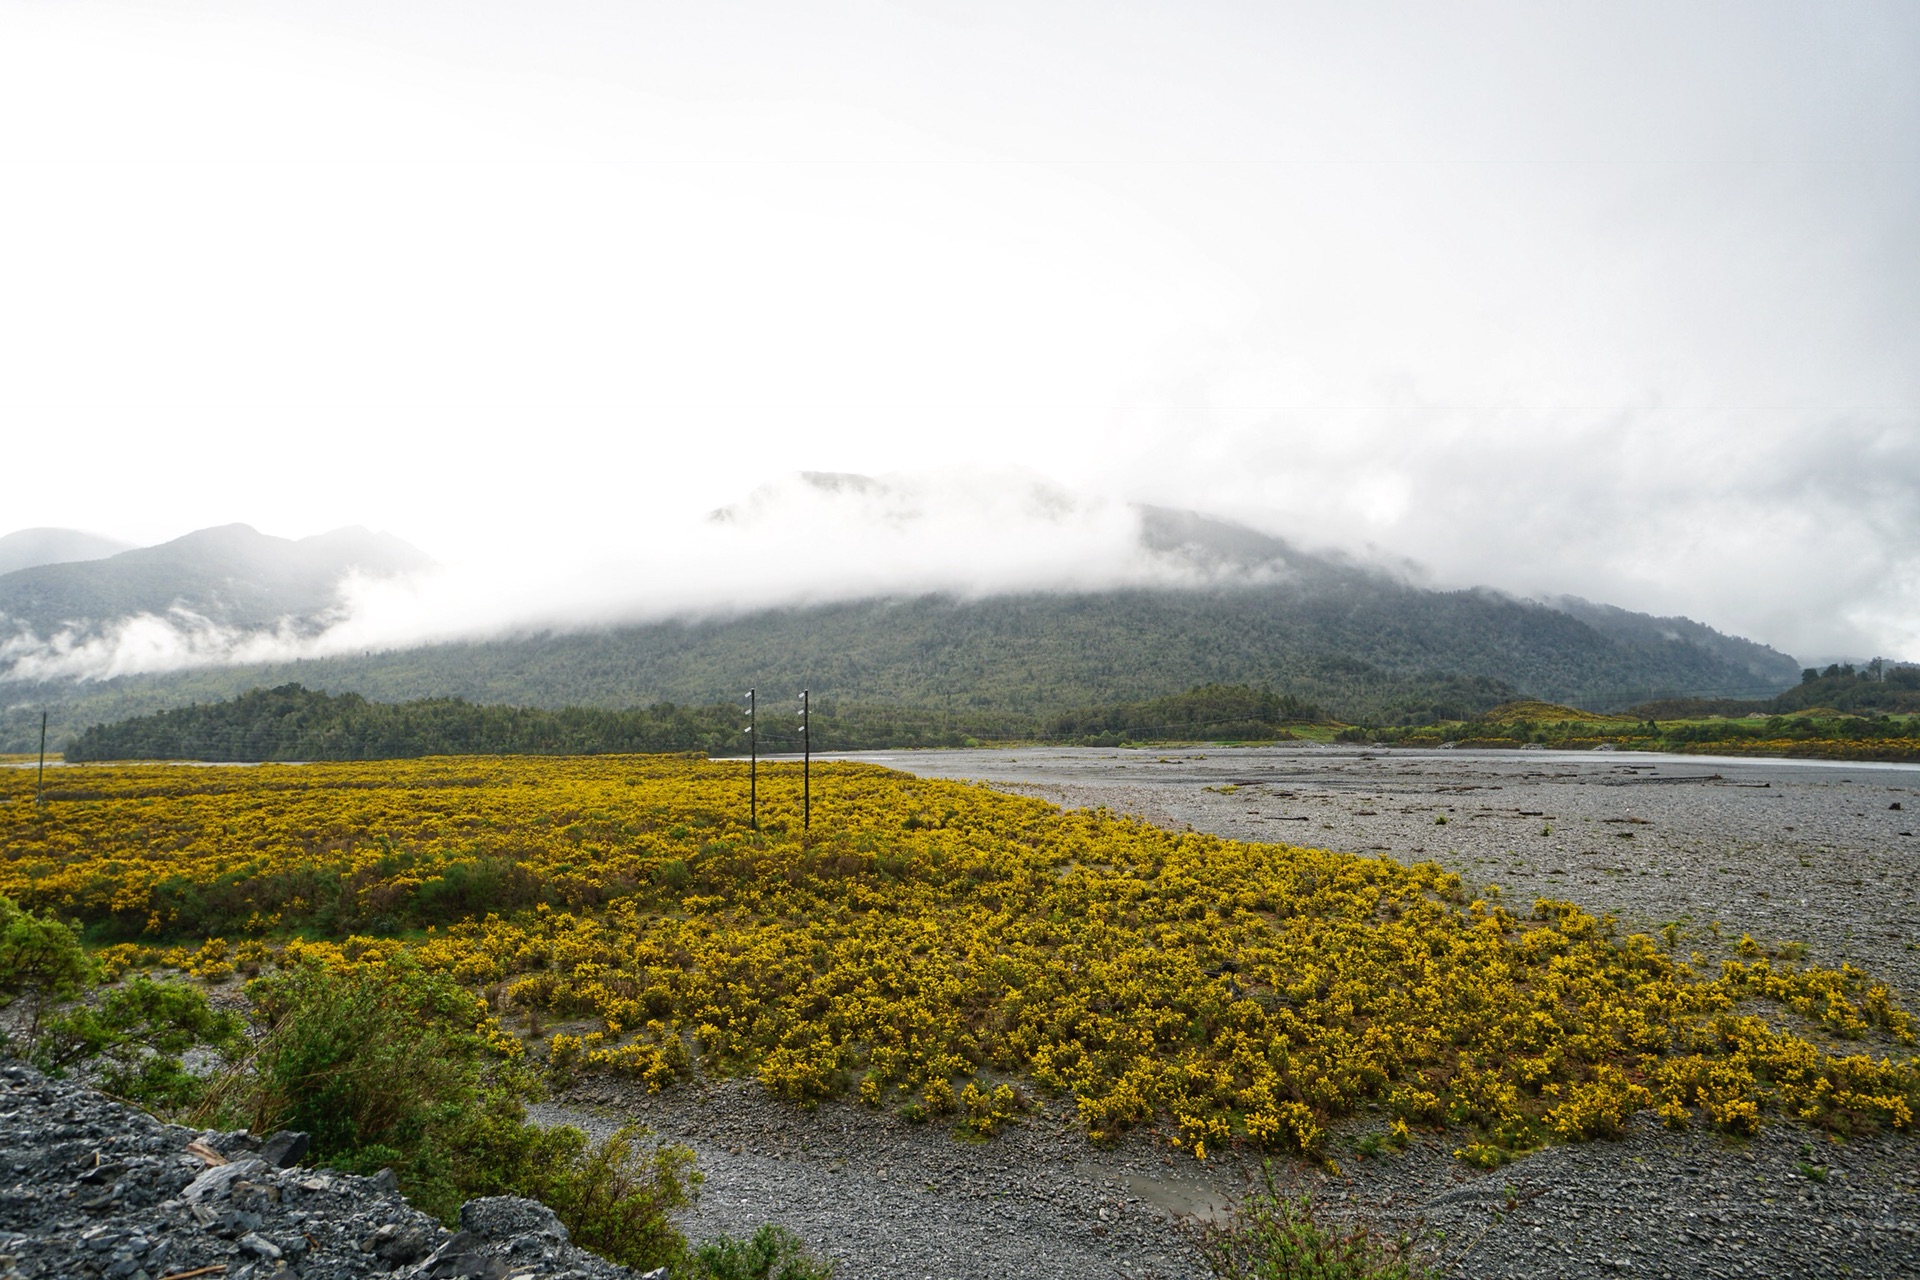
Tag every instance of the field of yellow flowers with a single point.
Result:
(930, 944)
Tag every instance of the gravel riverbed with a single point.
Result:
(1782, 850)
(1819, 852)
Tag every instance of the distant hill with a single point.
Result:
(26, 548)
(232, 575)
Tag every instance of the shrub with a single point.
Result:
(383, 1067)
(773, 1253)
(42, 962)
(615, 1195)
(372, 1064)
(1599, 1108)
(135, 1038)
(1273, 1236)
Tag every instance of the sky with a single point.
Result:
(1618, 300)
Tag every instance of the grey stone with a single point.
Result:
(466, 1266)
(503, 1217)
(285, 1149)
(255, 1245)
(217, 1183)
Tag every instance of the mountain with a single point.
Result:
(1366, 642)
(1768, 666)
(232, 575)
(26, 548)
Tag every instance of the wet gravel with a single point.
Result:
(1780, 850)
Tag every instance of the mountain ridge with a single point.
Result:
(1367, 642)
(30, 548)
(231, 575)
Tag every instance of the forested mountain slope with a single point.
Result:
(1356, 640)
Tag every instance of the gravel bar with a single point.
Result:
(1812, 851)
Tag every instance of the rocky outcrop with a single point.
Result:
(92, 1188)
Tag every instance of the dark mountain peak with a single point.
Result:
(30, 548)
(1210, 541)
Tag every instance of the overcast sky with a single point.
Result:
(1614, 299)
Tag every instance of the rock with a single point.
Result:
(466, 1266)
(160, 1212)
(503, 1217)
(285, 1149)
(398, 1243)
(217, 1183)
(233, 1144)
(255, 1245)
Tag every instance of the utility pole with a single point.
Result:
(806, 765)
(40, 779)
(753, 768)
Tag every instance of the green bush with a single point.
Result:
(42, 963)
(614, 1195)
(1274, 1237)
(378, 1066)
(382, 1067)
(773, 1253)
(135, 1037)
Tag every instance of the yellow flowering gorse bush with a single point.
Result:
(930, 938)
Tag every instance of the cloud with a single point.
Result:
(805, 539)
(1805, 539)
(1612, 299)
(1840, 517)
(147, 643)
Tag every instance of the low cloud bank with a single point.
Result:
(1817, 558)
(146, 643)
(807, 539)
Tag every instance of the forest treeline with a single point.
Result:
(295, 723)
(1214, 711)
(1874, 688)
(291, 722)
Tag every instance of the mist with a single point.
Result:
(804, 539)
(1612, 300)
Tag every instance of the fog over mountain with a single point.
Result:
(1002, 597)
(216, 596)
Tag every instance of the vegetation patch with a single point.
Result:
(1274, 1235)
(928, 938)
